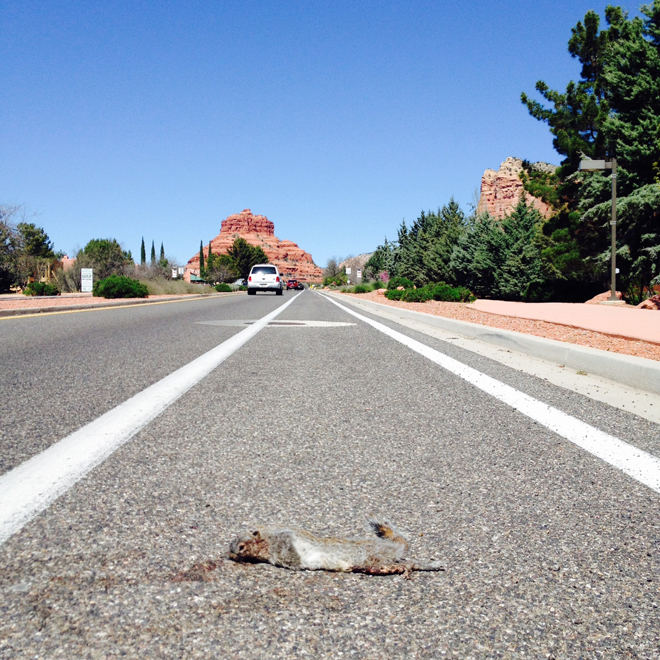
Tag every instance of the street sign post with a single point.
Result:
(86, 280)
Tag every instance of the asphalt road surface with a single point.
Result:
(192, 421)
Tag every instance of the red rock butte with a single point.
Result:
(501, 190)
(258, 230)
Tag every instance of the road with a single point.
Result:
(551, 552)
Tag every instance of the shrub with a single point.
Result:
(395, 282)
(119, 286)
(362, 288)
(416, 295)
(41, 289)
(222, 287)
(444, 292)
(394, 294)
(378, 285)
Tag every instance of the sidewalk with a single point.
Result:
(629, 322)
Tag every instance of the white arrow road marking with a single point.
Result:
(638, 464)
(31, 487)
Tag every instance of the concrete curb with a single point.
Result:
(636, 372)
(112, 303)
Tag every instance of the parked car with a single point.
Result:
(264, 277)
(292, 284)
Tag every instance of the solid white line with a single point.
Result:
(640, 465)
(31, 487)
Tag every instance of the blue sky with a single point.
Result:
(335, 119)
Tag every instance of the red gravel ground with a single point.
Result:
(462, 312)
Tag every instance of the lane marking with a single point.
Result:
(31, 487)
(636, 463)
(101, 307)
(283, 324)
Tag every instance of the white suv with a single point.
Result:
(264, 277)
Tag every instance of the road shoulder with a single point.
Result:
(625, 382)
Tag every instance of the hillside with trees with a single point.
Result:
(612, 111)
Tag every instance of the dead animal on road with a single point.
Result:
(297, 549)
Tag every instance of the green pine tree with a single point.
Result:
(245, 256)
(612, 111)
(441, 236)
(162, 252)
(153, 253)
(201, 258)
(143, 253)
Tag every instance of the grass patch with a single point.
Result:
(159, 287)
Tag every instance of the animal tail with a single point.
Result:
(428, 566)
(385, 530)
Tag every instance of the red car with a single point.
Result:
(292, 284)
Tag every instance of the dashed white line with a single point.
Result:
(640, 465)
(31, 487)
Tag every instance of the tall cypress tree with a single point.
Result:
(143, 253)
(162, 252)
(153, 253)
(201, 257)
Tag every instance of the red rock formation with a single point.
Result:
(501, 190)
(650, 303)
(258, 230)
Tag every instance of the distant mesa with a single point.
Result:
(501, 190)
(258, 230)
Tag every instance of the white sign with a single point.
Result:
(86, 280)
(348, 270)
(175, 272)
(359, 273)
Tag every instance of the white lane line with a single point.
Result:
(31, 487)
(638, 464)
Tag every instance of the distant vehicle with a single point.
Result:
(264, 277)
(300, 286)
(292, 284)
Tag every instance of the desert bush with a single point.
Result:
(163, 286)
(362, 288)
(416, 295)
(68, 281)
(41, 289)
(223, 288)
(444, 292)
(396, 282)
(394, 294)
(120, 286)
(377, 284)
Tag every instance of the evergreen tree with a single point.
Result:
(143, 253)
(613, 111)
(441, 236)
(410, 258)
(105, 256)
(162, 253)
(245, 256)
(521, 271)
(201, 257)
(478, 256)
(382, 260)
(153, 253)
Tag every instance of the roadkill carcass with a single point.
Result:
(297, 549)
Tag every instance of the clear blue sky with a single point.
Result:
(334, 119)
